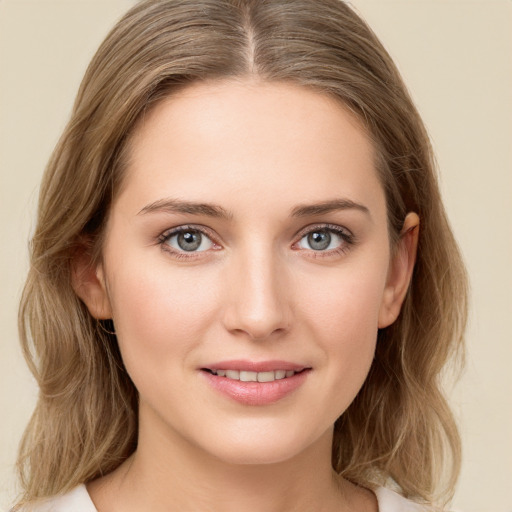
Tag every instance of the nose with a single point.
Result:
(258, 305)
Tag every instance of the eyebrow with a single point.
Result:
(211, 210)
(327, 207)
(187, 207)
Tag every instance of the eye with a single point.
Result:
(324, 239)
(186, 239)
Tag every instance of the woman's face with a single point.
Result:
(249, 242)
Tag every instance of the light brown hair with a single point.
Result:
(399, 429)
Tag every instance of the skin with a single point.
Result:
(257, 291)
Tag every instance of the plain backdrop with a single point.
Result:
(456, 57)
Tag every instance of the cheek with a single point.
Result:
(160, 313)
(344, 321)
(345, 302)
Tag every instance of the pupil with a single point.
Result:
(319, 240)
(189, 240)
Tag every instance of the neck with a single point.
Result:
(169, 473)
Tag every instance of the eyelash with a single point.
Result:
(167, 235)
(347, 238)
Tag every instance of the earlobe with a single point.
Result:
(400, 271)
(89, 284)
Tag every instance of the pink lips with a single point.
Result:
(252, 366)
(256, 393)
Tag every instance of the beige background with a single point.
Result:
(455, 55)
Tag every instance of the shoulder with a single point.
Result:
(76, 500)
(390, 501)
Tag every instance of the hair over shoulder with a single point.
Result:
(399, 428)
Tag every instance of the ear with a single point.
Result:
(400, 271)
(88, 281)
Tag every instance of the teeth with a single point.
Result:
(266, 376)
(247, 376)
(233, 374)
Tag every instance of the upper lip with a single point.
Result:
(255, 366)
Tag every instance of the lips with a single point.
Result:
(248, 376)
(255, 383)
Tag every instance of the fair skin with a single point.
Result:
(283, 255)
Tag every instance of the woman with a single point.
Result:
(243, 285)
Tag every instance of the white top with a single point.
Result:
(78, 500)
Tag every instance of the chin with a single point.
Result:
(263, 447)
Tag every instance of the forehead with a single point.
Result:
(252, 136)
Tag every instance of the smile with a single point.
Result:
(249, 376)
(255, 383)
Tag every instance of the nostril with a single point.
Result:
(260, 334)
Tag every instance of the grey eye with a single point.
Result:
(189, 240)
(321, 240)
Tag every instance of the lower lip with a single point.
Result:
(256, 393)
